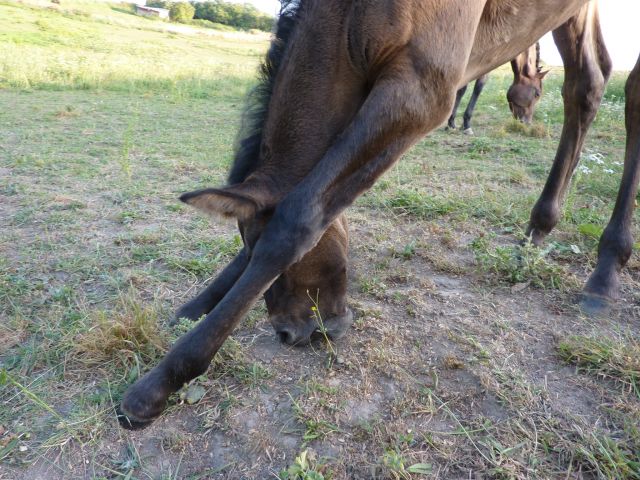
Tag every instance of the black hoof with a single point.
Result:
(129, 422)
(594, 305)
(145, 400)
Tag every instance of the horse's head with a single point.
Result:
(310, 296)
(526, 90)
(524, 94)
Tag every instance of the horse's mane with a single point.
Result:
(247, 152)
(538, 66)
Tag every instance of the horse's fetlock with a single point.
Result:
(617, 245)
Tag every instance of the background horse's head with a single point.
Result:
(526, 90)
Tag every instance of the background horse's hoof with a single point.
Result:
(594, 305)
(130, 423)
(468, 131)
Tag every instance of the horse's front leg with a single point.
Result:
(616, 242)
(398, 111)
(208, 298)
(587, 68)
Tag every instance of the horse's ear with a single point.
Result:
(237, 201)
(541, 75)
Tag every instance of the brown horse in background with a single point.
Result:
(347, 88)
(523, 94)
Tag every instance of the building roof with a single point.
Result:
(152, 9)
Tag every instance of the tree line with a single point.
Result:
(244, 16)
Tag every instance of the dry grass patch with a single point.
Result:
(124, 335)
(535, 130)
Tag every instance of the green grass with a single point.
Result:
(607, 358)
(521, 264)
(96, 46)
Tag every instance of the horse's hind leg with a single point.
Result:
(468, 113)
(208, 298)
(451, 123)
(587, 68)
(616, 242)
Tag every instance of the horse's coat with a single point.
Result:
(356, 83)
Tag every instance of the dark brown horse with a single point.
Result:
(348, 87)
(523, 94)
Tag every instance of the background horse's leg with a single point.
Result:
(402, 112)
(468, 113)
(451, 123)
(587, 68)
(208, 298)
(616, 242)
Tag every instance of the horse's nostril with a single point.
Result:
(284, 336)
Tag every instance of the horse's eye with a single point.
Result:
(537, 94)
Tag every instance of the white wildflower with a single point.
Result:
(595, 157)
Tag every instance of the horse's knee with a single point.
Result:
(285, 241)
(585, 89)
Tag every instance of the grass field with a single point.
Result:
(468, 357)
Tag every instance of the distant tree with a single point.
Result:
(181, 12)
(244, 16)
(159, 3)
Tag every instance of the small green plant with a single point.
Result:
(372, 285)
(521, 264)
(304, 468)
(315, 428)
(408, 251)
(395, 465)
(317, 316)
(251, 374)
(480, 146)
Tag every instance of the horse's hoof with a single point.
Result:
(468, 131)
(129, 422)
(594, 305)
(145, 400)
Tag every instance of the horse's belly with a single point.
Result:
(508, 27)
